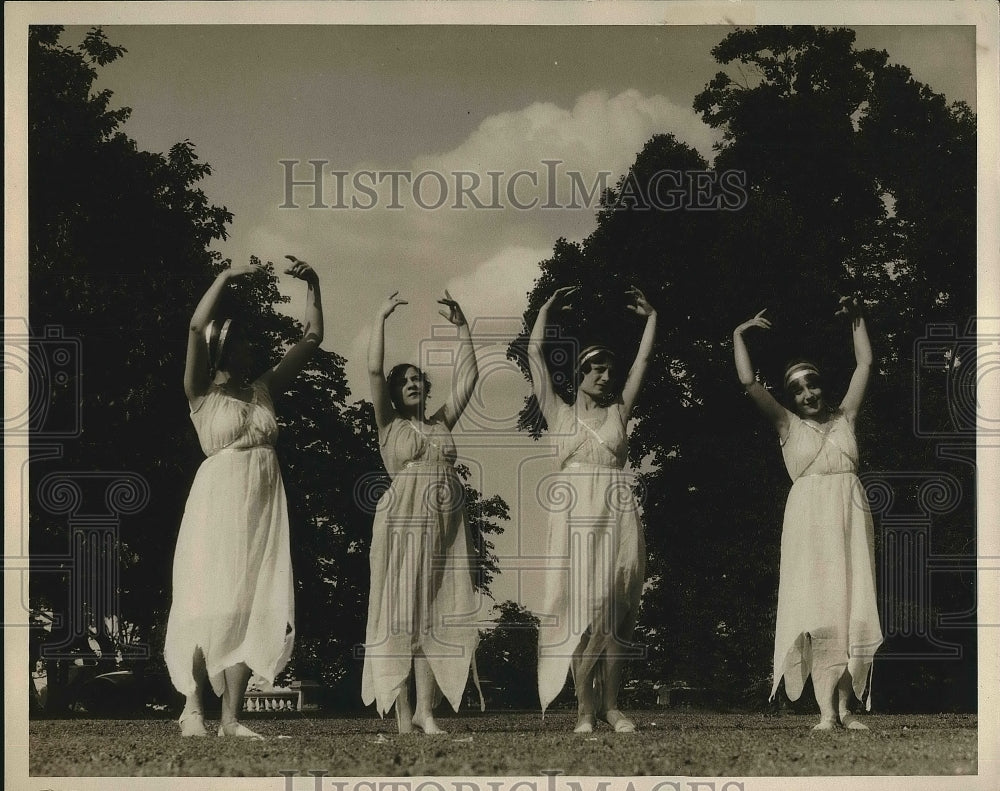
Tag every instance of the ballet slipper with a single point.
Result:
(825, 724)
(237, 729)
(852, 723)
(618, 721)
(584, 724)
(427, 725)
(192, 724)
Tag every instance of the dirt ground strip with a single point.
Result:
(667, 744)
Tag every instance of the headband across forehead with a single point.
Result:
(591, 352)
(800, 371)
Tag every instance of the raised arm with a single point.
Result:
(765, 402)
(384, 412)
(863, 357)
(280, 377)
(196, 374)
(637, 373)
(466, 368)
(541, 384)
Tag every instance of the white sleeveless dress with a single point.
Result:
(232, 573)
(596, 550)
(826, 590)
(422, 595)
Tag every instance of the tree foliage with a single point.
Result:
(507, 658)
(855, 178)
(119, 256)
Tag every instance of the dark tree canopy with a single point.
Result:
(119, 243)
(507, 658)
(857, 178)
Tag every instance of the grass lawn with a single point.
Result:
(667, 743)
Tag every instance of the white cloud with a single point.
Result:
(597, 138)
(497, 289)
(487, 257)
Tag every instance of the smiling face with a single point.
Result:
(807, 395)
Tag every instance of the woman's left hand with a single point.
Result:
(454, 313)
(301, 270)
(639, 303)
(851, 306)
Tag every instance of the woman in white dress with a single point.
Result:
(827, 622)
(232, 613)
(423, 606)
(595, 548)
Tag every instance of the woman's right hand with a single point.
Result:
(559, 298)
(237, 270)
(756, 321)
(391, 304)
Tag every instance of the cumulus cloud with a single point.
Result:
(499, 187)
(496, 290)
(487, 256)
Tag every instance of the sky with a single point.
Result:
(446, 100)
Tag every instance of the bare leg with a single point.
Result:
(614, 661)
(192, 719)
(584, 694)
(236, 678)
(825, 679)
(423, 715)
(404, 712)
(845, 693)
(828, 662)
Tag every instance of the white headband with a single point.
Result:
(592, 352)
(800, 371)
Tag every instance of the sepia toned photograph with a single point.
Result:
(466, 396)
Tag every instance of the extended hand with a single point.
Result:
(639, 302)
(301, 270)
(756, 321)
(391, 304)
(851, 306)
(560, 298)
(454, 313)
(238, 270)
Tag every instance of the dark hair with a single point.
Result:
(802, 363)
(219, 334)
(587, 359)
(397, 377)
